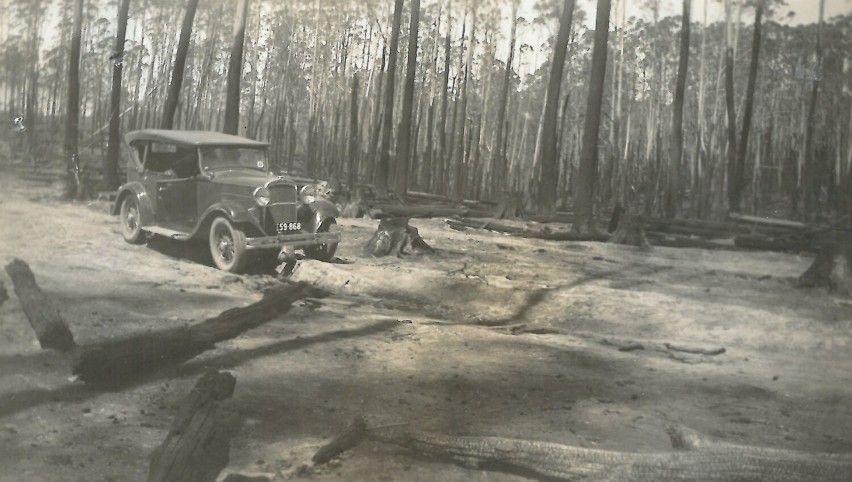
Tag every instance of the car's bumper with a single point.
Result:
(292, 240)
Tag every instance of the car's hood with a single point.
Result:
(244, 177)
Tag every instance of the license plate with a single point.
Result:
(287, 227)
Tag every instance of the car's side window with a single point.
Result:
(160, 157)
(186, 164)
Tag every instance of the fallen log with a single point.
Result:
(694, 350)
(352, 436)
(40, 309)
(246, 478)
(198, 443)
(381, 210)
(659, 224)
(492, 225)
(680, 241)
(696, 459)
(771, 243)
(116, 362)
(563, 217)
(769, 222)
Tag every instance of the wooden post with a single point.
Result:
(41, 311)
(196, 448)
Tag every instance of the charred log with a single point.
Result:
(790, 243)
(393, 237)
(695, 458)
(198, 444)
(351, 437)
(40, 309)
(385, 210)
(491, 225)
(116, 362)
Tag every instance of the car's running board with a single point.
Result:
(169, 233)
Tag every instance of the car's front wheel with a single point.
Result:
(227, 246)
(131, 229)
(324, 252)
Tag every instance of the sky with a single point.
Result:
(806, 11)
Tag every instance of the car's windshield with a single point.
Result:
(224, 157)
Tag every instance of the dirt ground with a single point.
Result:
(491, 335)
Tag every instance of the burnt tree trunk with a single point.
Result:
(630, 231)
(42, 312)
(235, 69)
(110, 180)
(180, 62)
(198, 444)
(510, 206)
(587, 173)
(549, 164)
(676, 153)
(72, 122)
(742, 147)
(383, 167)
(403, 151)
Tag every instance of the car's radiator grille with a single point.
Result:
(282, 206)
(282, 194)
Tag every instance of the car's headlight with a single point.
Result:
(261, 196)
(308, 193)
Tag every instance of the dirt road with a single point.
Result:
(491, 335)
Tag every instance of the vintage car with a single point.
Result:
(207, 185)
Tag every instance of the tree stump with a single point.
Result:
(511, 206)
(393, 236)
(40, 309)
(832, 267)
(198, 444)
(630, 231)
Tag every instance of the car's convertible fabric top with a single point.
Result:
(191, 138)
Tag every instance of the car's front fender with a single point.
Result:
(235, 212)
(311, 215)
(136, 189)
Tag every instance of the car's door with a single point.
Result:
(177, 195)
(176, 203)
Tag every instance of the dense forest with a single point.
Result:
(462, 98)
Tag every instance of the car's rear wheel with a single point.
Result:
(131, 229)
(227, 246)
(324, 252)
